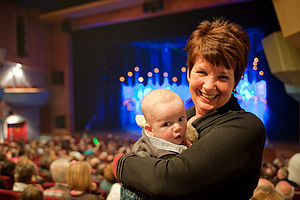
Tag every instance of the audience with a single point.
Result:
(58, 171)
(23, 161)
(265, 190)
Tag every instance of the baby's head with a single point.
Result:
(165, 115)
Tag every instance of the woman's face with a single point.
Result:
(210, 86)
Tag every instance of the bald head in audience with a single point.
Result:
(285, 189)
(58, 170)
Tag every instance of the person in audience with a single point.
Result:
(95, 162)
(35, 177)
(108, 178)
(2, 157)
(7, 169)
(58, 170)
(23, 176)
(80, 182)
(281, 175)
(285, 189)
(225, 161)
(294, 170)
(266, 195)
(265, 185)
(31, 192)
(45, 162)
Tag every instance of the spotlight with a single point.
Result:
(130, 74)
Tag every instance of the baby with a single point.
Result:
(165, 130)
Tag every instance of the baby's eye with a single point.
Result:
(181, 118)
(166, 124)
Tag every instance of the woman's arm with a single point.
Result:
(229, 150)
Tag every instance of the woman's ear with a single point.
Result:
(188, 75)
(149, 130)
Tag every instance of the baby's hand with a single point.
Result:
(188, 143)
(191, 134)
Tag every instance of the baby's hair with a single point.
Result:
(155, 97)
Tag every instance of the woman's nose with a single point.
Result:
(209, 83)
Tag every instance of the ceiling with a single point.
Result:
(50, 5)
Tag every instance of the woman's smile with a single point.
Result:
(207, 96)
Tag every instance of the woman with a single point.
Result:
(225, 161)
(79, 179)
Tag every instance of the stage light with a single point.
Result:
(17, 71)
(261, 73)
(141, 79)
(254, 67)
(156, 70)
(18, 65)
(165, 74)
(122, 79)
(136, 69)
(14, 119)
(174, 79)
(183, 69)
(256, 59)
(130, 74)
(149, 74)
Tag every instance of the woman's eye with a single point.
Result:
(166, 124)
(224, 77)
(180, 119)
(201, 72)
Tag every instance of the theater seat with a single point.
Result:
(44, 176)
(297, 194)
(51, 198)
(47, 185)
(7, 182)
(9, 195)
(296, 197)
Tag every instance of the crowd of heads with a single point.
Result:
(279, 179)
(78, 162)
(73, 160)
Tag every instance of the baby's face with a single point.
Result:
(168, 121)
